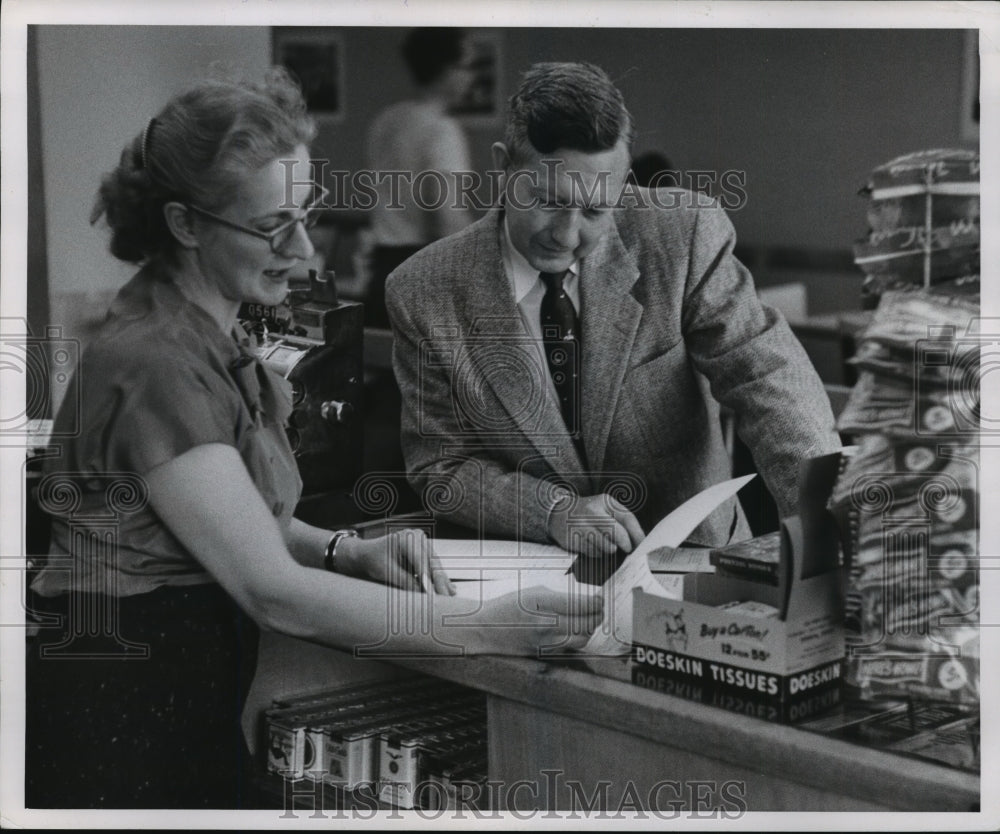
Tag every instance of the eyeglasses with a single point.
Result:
(279, 238)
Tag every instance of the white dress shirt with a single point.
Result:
(529, 290)
(528, 287)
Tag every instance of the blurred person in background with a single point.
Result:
(414, 136)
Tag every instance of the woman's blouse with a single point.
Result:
(159, 379)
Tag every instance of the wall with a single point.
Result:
(806, 113)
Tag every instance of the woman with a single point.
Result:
(181, 432)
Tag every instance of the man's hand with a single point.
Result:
(596, 526)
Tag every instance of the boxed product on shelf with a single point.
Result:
(941, 664)
(758, 558)
(290, 751)
(349, 750)
(950, 171)
(924, 222)
(460, 783)
(347, 754)
(292, 744)
(888, 213)
(740, 702)
(776, 660)
(911, 252)
(907, 500)
(404, 753)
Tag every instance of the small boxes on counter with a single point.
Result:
(291, 751)
(407, 751)
(388, 735)
(772, 636)
(348, 749)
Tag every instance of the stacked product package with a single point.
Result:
(923, 219)
(409, 743)
(907, 499)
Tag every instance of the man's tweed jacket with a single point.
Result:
(671, 327)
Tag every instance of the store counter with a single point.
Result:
(566, 734)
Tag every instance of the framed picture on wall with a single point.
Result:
(482, 102)
(315, 56)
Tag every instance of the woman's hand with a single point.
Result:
(402, 558)
(531, 620)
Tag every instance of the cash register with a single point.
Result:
(315, 341)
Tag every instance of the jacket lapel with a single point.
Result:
(610, 320)
(514, 362)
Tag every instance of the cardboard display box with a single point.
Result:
(817, 702)
(780, 659)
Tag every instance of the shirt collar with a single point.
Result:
(522, 275)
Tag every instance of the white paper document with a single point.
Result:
(614, 635)
(489, 568)
(494, 583)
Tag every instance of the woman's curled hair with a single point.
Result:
(197, 150)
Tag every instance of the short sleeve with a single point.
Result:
(163, 407)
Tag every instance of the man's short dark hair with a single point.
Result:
(430, 50)
(574, 106)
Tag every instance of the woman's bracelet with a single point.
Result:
(330, 556)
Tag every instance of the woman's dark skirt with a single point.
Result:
(142, 714)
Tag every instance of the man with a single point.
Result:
(418, 137)
(666, 323)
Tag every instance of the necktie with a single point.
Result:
(561, 341)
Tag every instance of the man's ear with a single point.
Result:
(179, 222)
(501, 157)
(501, 163)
